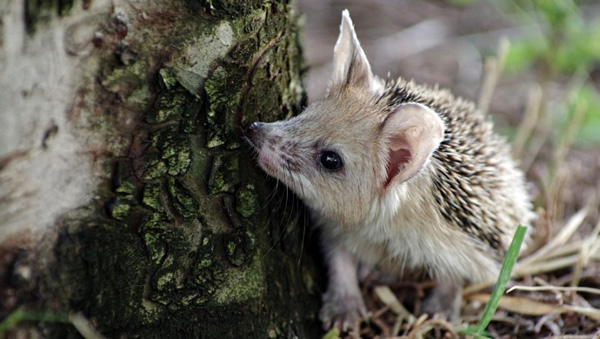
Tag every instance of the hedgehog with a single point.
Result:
(399, 178)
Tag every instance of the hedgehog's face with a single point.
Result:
(349, 148)
(330, 155)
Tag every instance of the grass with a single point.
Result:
(81, 324)
(20, 315)
(505, 272)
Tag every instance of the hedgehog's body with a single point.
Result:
(399, 177)
(475, 183)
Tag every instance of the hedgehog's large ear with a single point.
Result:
(411, 133)
(350, 64)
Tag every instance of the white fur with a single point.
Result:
(405, 232)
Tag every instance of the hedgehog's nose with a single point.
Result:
(251, 129)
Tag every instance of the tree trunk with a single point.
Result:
(126, 191)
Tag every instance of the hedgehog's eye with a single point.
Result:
(330, 160)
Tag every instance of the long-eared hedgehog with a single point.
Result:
(400, 178)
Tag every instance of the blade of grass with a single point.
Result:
(472, 331)
(21, 315)
(334, 333)
(81, 324)
(509, 261)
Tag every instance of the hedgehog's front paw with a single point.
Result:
(445, 301)
(341, 310)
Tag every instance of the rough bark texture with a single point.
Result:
(127, 193)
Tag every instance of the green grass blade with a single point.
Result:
(472, 332)
(509, 261)
(21, 315)
(334, 333)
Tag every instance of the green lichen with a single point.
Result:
(140, 97)
(169, 104)
(155, 167)
(123, 179)
(119, 208)
(188, 299)
(209, 280)
(223, 100)
(151, 312)
(251, 238)
(175, 151)
(224, 175)
(246, 49)
(163, 136)
(161, 298)
(151, 197)
(153, 221)
(263, 96)
(177, 154)
(182, 198)
(126, 79)
(171, 277)
(38, 11)
(231, 246)
(229, 8)
(205, 258)
(156, 246)
(164, 279)
(246, 201)
(240, 285)
(215, 88)
(208, 271)
(254, 23)
(152, 229)
(190, 125)
(168, 79)
(172, 148)
(239, 246)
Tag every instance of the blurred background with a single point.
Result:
(539, 61)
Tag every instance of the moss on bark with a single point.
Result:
(183, 244)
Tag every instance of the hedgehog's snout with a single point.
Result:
(254, 133)
(251, 128)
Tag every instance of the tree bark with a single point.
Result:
(126, 191)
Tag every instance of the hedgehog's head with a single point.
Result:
(349, 149)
